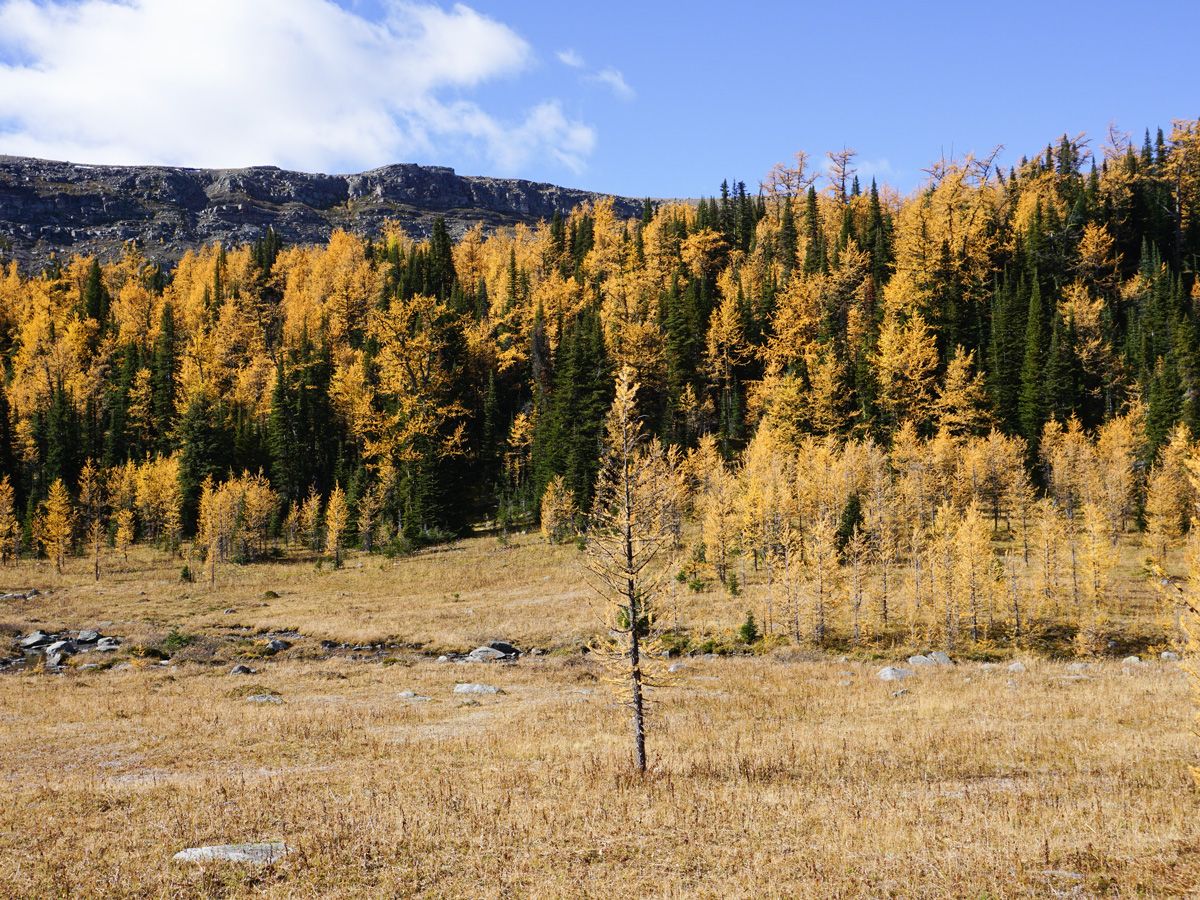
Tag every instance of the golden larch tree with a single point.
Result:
(629, 536)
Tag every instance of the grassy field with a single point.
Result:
(784, 773)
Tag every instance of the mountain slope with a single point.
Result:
(58, 207)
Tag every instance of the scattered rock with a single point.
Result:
(900, 693)
(536, 651)
(87, 637)
(413, 696)
(106, 645)
(845, 682)
(676, 667)
(1017, 667)
(55, 660)
(941, 658)
(20, 595)
(504, 647)
(920, 660)
(1078, 667)
(443, 659)
(255, 854)
(1132, 661)
(230, 611)
(1168, 656)
(477, 689)
(264, 698)
(275, 645)
(893, 673)
(240, 669)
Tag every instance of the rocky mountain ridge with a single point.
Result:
(63, 208)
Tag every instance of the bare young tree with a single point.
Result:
(630, 532)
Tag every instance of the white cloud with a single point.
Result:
(616, 81)
(570, 58)
(298, 83)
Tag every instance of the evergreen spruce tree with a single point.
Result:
(1031, 413)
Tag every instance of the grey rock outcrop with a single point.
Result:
(63, 208)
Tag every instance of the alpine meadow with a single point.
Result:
(833, 534)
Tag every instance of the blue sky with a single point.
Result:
(658, 98)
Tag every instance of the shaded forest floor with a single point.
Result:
(780, 773)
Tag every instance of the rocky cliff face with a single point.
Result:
(62, 208)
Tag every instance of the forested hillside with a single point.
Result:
(439, 383)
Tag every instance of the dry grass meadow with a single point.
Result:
(780, 774)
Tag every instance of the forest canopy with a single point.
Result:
(442, 382)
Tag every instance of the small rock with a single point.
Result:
(35, 640)
(1131, 661)
(676, 667)
(1016, 667)
(920, 660)
(413, 696)
(486, 654)
(1168, 656)
(1077, 667)
(536, 651)
(845, 682)
(477, 689)
(240, 669)
(106, 645)
(275, 645)
(230, 611)
(255, 854)
(55, 660)
(329, 645)
(264, 698)
(893, 673)
(88, 637)
(443, 659)
(941, 658)
(988, 666)
(900, 693)
(64, 648)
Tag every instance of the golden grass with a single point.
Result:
(771, 777)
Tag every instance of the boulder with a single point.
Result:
(920, 660)
(63, 648)
(893, 673)
(941, 658)
(1132, 661)
(676, 667)
(240, 669)
(1168, 656)
(275, 645)
(477, 689)
(35, 640)
(254, 854)
(55, 660)
(504, 647)
(87, 637)
(106, 645)
(1016, 667)
(264, 698)
(413, 696)
(486, 654)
